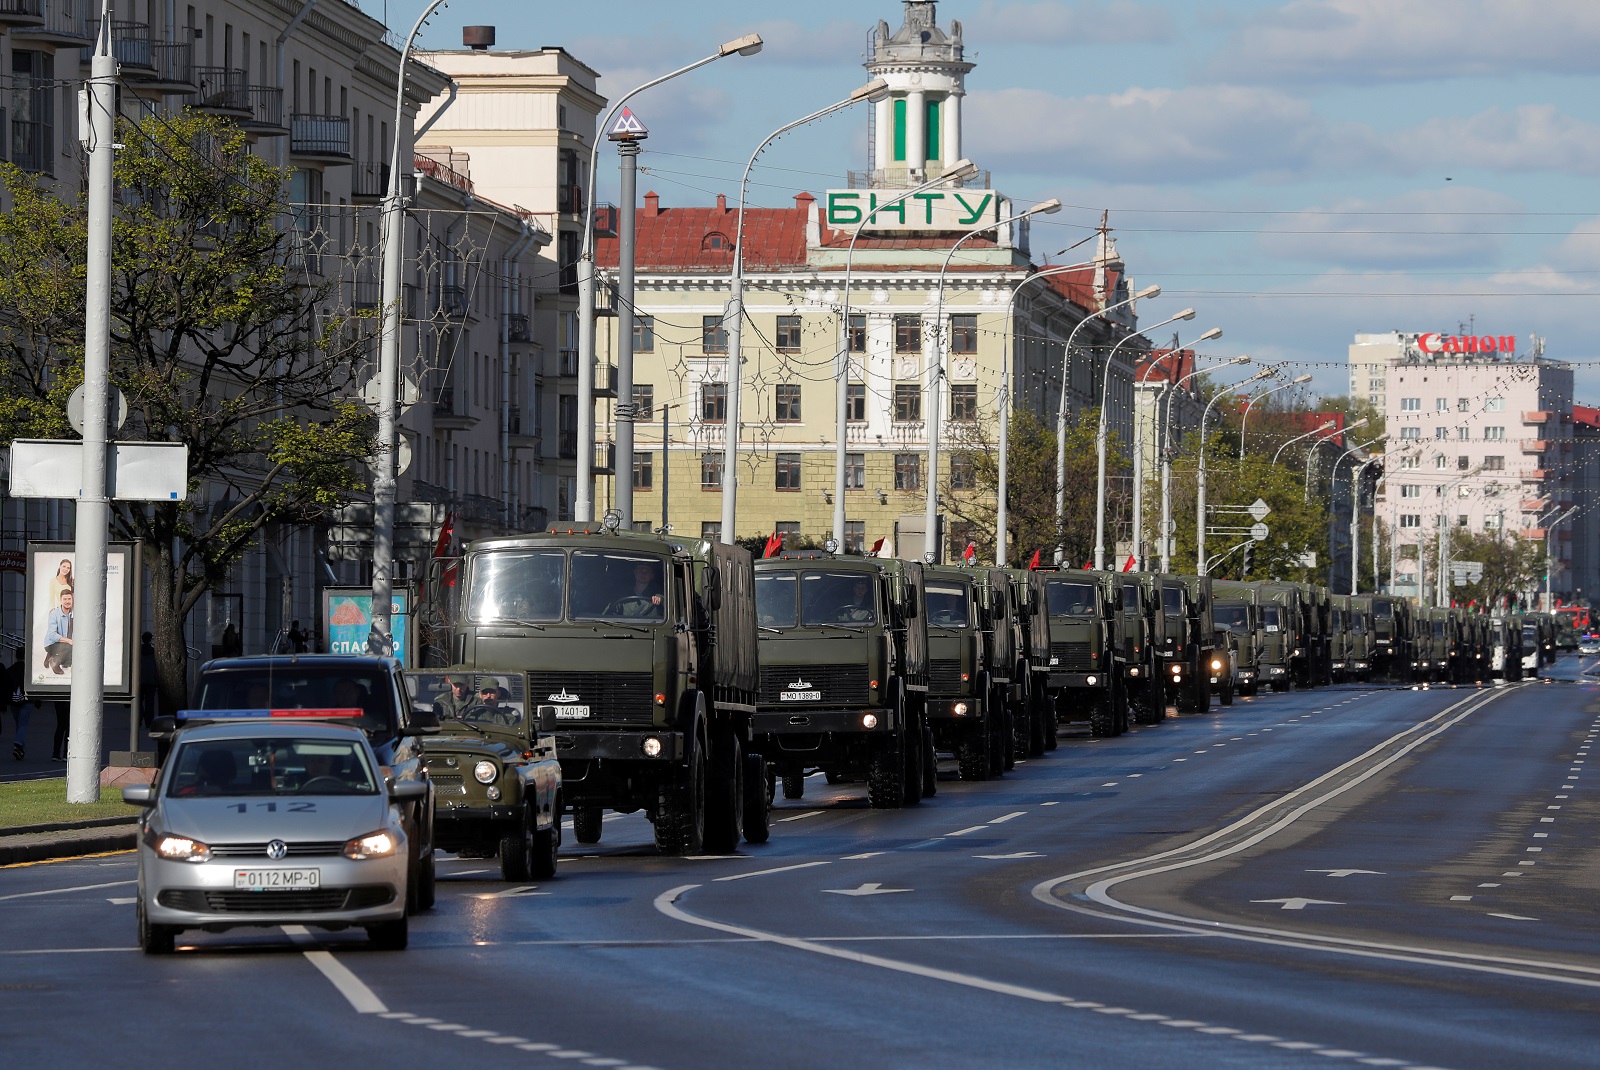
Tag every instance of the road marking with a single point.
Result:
(1546, 819)
(1542, 835)
(1488, 885)
(1008, 817)
(857, 858)
(1051, 803)
(799, 817)
(1018, 854)
(963, 832)
(1348, 872)
(780, 869)
(866, 889)
(123, 902)
(1461, 899)
(358, 995)
(1298, 903)
(1109, 784)
(1513, 917)
(510, 893)
(64, 891)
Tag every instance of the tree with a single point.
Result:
(1355, 409)
(1511, 566)
(218, 341)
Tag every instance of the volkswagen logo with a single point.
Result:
(277, 849)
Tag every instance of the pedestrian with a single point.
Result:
(16, 679)
(58, 745)
(232, 644)
(297, 638)
(149, 683)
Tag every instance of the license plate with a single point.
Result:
(801, 696)
(276, 880)
(572, 713)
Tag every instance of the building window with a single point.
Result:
(961, 477)
(1441, 404)
(713, 335)
(1491, 523)
(716, 240)
(713, 402)
(644, 401)
(1463, 435)
(1494, 434)
(786, 403)
(1461, 520)
(1410, 462)
(908, 471)
(1441, 433)
(963, 402)
(788, 471)
(33, 141)
(1494, 464)
(711, 530)
(644, 470)
(907, 402)
(855, 536)
(1410, 490)
(858, 333)
(908, 332)
(644, 334)
(855, 471)
(855, 402)
(1462, 464)
(711, 471)
(1411, 520)
(964, 333)
(788, 531)
(1410, 433)
(1494, 405)
(788, 334)
(1441, 462)
(1463, 405)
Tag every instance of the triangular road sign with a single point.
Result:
(627, 126)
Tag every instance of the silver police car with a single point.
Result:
(263, 818)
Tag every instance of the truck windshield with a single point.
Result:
(1234, 616)
(1130, 598)
(947, 605)
(816, 597)
(1070, 599)
(775, 599)
(607, 585)
(1438, 629)
(1172, 601)
(1270, 619)
(1383, 610)
(1358, 624)
(517, 585)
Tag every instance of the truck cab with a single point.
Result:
(1285, 661)
(1033, 709)
(1085, 668)
(1213, 654)
(1235, 609)
(1359, 633)
(1140, 626)
(966, 705)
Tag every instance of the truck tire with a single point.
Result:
(681, 806)
(1102, 719)
(1052, 730)
(724, 794)
(586, 824)
(1003, 755)
(1021, 731)
(972, 753)
(757, 818)
(930, 764)
(886, 772)
(1042, 712)
(915, 761)
(1225, 696)
(794, 786)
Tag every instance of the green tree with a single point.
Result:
(217, 341)
(1354, 409)
(1511, 566)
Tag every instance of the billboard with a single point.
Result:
(933, 210)
(50, 618)
(347, 621)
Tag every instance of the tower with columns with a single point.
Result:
(917, 127)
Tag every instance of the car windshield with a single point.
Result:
(487, 700)
(208, 768)
(947, 605)
(1270, 619)
(1234, 616)
(1067, 599)
(302, 685)
(848, 599)
(617, 586)
(517, 585)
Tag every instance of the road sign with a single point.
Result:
(1258, 532)
(409, 393)
(1467, 566)
(1259, 509)
(135, 471)
(116, 413)
(627, 127)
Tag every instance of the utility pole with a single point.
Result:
(627, 133)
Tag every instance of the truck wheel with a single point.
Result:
(1052, 730)
(1043, 711)
(886, 771)
(794, 786)
(725, 795)
(517, 849)
(972, 753)
(930, 764)
(681, 806)
(586, 824)
(155, 939)
(757, 818)
(1102, 720)
(1022, 732)
(1226, 696)
(916, 762)
(1004, 744)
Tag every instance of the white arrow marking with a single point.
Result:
(866, 889)
(1348, 872)
(1019, 854)
(1296, 903)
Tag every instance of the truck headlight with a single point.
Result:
(1092, 680)
(1216, 665)
(485, 772)
(651, 747)
(1177, 670)
(961, 707)
(869, 720)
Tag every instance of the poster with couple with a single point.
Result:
(52, 617)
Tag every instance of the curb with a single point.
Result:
(47, 847)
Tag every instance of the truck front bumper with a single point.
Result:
(632, 744)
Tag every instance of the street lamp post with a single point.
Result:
(1200, 477)
(935, 399)
(1326, 425)
(1355, 524)
(1139, 446)
(1165, 446)
(1548, 568)
(956, 172)
(1312, 453)
(1296, 381)
(1355, 502)
(1061, 411)
(583, 503)
(734, 314)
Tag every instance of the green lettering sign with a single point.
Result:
(978, 212)
(843, 208)
(898, 210)
(928, 199)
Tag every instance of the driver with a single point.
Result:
(488, 708)
(643, 597)
(857, 601)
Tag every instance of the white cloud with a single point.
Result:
(1356, 42)
(1533, 137)
(1580, 251)
(1458, 226)
(1084, 22)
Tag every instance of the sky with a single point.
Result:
(1298, 171)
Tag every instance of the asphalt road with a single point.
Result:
(1346, 876)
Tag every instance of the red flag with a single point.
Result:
(1087, 565)
(1033, 562)
(970, 554)
(1127, 566)
(774, 544)
(876, 547)
(441, 548)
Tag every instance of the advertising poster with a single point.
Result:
(52, 617)
(347, 613)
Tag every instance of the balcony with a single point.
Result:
(567, 445)
(130, 45)
(324, 137)
(605, 458)
(1533, 475)
(522, 437)
(174, 67)
(367, 289)
(266, 111)
(451, 168)
(517, 331)
(605, 221)
(569, 200)
(369, 181)
(450, 411)
(567, 364)
(57, 24)
(223, 91)
(19, 13)
(605, 385)
(1534, 445)
(30, 146)
(1533, 505)
(1533, 533)
(1538, 417)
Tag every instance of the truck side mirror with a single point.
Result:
(713, 589)
(909, 607)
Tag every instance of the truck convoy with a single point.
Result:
(968, 616)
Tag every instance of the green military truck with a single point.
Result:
(1393, 638)
(1139, 628)
(1212, 650)
(1086, 668)
(1339, 637)
(1235, 609)
(1317, 605)
(966, 705)
(1177, 654)
(496, 777)
(1284, 658)
(1362, 632)
(1033, 720)
(844, 673)
(641, 660)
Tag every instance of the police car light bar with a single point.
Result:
(261, 715)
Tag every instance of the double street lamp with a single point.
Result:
(1311, 456)
(1164, 446)
(1296, 381)
(1200, 478)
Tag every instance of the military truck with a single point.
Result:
(640, 652)
(1085, 667)
(1033, 717)
(1532, 646)
(1177, 655)
(1284, 616)
(1213, 654)
(1339, 637)
(1393, 654)
(966, 706)
(844, 673)
(1004, 650)
(1139, 628)
(1234, 608)
(1359, 644)
(495, 773)
(1317, 606)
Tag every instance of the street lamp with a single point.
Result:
(1324, 426)
(1139, 446)
(1355, 522)
(1312, 453)
(1100, 431)
(935, 399)
(1549, 527)
(1200, 479)
(1061, 410)
(1296, 381)
(956, 172)
(734, 314)
(1165, 446)
(583, 503)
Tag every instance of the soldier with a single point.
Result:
(454, 700)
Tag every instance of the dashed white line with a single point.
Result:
(963, 832)
(799, 817)
(1008, 817)
(765, 872)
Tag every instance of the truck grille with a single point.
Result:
(448, 784)
(615, 696)
(1070, 656)
(944, 676)
(836, 683)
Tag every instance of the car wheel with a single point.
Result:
(390, 935)
(546, 848)
(155, 939)
(427, 884)
(516, 849)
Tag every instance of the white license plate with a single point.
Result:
(276, 880)
(801, 696)
(572, 713)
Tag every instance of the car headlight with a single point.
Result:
(177, 848)
(378, 844)
(485, 772)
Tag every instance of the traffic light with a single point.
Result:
(1249, 559)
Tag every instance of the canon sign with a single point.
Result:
(1467, 343)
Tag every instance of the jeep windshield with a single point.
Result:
(1233, 616)
(1069, 599)
(478, 700)
(947, 605)
(816, 598)
(302, 686)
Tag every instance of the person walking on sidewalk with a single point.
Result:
(15, 680)
(58, 745)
